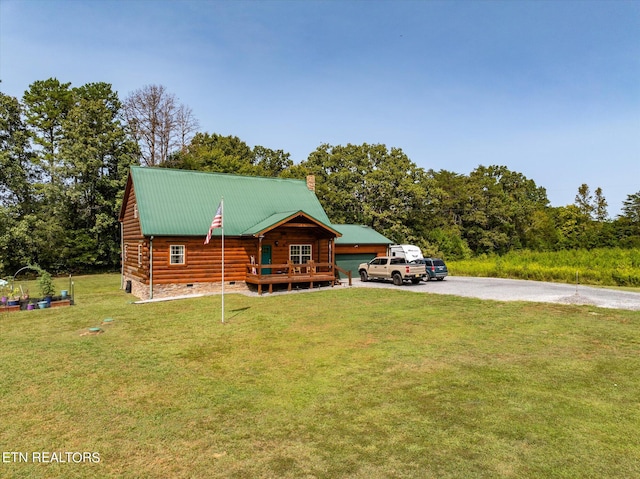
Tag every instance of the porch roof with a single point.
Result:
(278, 219)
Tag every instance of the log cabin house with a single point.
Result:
(275, 232)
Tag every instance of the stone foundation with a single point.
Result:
(141, 290)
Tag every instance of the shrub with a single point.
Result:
(45, 283)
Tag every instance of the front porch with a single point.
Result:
(290, 273)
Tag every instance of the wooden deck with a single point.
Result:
(309, 273)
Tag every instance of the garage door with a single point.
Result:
(350, 262)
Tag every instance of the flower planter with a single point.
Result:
(42, 304)
(31, 306)
(13, 302)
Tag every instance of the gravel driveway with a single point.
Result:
(518, 290)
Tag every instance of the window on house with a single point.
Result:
(139, 255)
(135, 210)
(125, 253)
(176, 254)
(300, 253)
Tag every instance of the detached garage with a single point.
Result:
(358, 244)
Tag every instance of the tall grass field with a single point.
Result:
(338, 383)
(605, 266)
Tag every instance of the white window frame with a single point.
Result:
(140, 254)
(177, 254)
(297, 253)
(135, 211)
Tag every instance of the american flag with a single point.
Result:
(216, 223)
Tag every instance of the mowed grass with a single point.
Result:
(355, 383)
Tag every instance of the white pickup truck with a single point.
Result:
(391, 267)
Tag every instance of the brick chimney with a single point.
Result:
(311, 182)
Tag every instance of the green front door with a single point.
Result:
(266, 258)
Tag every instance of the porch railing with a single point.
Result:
(290, 269)
(289, 273)
(345, 272)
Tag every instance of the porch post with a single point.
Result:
(332, 260)
(260, 238)
(332, 254)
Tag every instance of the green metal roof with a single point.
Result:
(183, 203)
(360, 234)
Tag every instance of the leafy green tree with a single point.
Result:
(600, 206)
(594, 229)
(584, 200)
(541, 233)
(6, 249)
(17, 197)
(28, 238)
(339, 173)
(450, 194)
(492, 209)
(269, 162)
(97, 155)
(631, 208)
(216, 153)
(574, 228)
(592, 205)
(447, 242)
(627, 225)
(496, 209)
(229, 154)
(371, 185)
(16, 156)
(65, 195)
(46, 106)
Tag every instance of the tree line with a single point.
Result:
(65, 153)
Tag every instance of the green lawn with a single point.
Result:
(359, 383)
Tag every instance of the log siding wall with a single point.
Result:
(133, 241)
(203, 263)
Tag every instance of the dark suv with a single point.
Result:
(436, 269)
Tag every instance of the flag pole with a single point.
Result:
(222, 231)
(218, 222)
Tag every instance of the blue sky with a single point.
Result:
(550, 89)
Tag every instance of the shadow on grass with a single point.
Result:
(238, 311)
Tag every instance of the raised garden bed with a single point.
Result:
(32, 304)
(61, 303)
(9, 309)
